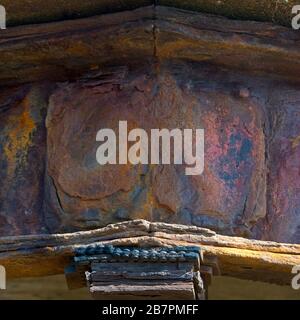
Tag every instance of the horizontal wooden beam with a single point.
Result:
(37, 11)
(62, 50)
(40, 255)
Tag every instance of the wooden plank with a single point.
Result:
(77, 275)
(25, 11)
(62, 50)
(237, 257)
(114, 233)
(107, 276)
(257, 48)
(20, 12)
(140, 267)
(154, 290)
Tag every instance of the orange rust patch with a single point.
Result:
(295, 142)
(19, 136)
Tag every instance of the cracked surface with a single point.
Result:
(229, 196)
(168, 68)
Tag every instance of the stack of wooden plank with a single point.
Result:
(139, 273)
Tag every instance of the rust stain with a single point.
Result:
(295, 142)
(19, 137)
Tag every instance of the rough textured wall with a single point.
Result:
(22, 159)
(229, 195)
(174, 69)
(250, 183)
(283, 151)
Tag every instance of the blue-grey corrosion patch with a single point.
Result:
(236, 163)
